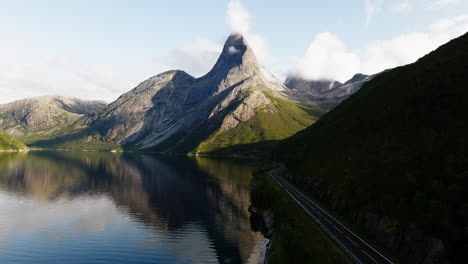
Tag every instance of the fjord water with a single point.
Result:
(95, 207)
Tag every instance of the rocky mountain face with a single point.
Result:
(174, 111)
(310, 87)
(43, 116)
(324, 93)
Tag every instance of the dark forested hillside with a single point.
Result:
(397, 148)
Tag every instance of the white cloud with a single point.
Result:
(372, 7)
(30, 76)
(444, 3)
(196, 59)
(232, 50)
(447, 24)
(238, 19)
(401, 7)
(328, 58)
(29, 70)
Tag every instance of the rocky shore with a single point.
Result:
(262, 221)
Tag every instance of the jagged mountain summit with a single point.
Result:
(323, 93)
(44, 116)
(234, 104)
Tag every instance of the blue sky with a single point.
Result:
(100, 49)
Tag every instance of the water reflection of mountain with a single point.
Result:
(167, 193)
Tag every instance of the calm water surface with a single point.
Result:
(89, 207)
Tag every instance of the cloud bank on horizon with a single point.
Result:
(26, 71)
(328, 58)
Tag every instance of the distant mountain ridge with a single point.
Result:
(45, 116)
(324, 93)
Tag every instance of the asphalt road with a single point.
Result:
(356, 247)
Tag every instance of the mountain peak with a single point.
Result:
(235, 42)
(356, 78)
(236, 52)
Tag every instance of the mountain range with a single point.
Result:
(238, 106)
(387, 151)
(174, 111)
(325, 94)
(45, 117)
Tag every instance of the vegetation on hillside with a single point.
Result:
(82, 138)
(296, 239)
(398, 147)
(8, 142)
(75, 135)
(270, 124)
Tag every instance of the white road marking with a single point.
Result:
(351, 241)
(370, 257)
(337, 229)
(324, 228)
(335, 220)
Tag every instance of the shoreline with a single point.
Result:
(14, 150)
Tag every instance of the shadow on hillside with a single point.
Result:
(262, 149)
(87, 138)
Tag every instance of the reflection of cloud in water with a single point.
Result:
(191, 240)
(140, 205)
(97, 216)
(55, 219)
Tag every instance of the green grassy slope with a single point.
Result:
(82, 138)
(262, 130)
(254, 137)
(398, 147)
(77, 135)
(8, 142)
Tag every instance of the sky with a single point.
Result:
(99, 49)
